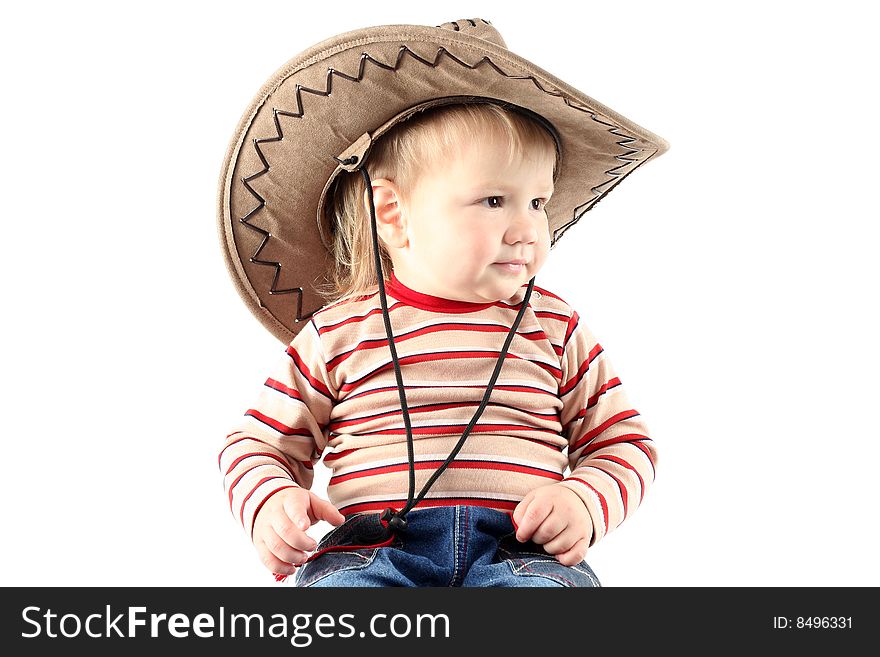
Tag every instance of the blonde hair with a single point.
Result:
(409, 148)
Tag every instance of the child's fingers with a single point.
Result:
(282, 548)
(575, 555)
(296, 506)
(533, 513)
(272, 562)
(553, 526)
(324, 510)
(520, 509)
(285, 529)
(563, 541)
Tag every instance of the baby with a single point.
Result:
(556, 459)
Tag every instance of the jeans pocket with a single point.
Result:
(531, 560)
(349, 533)
(334, 562)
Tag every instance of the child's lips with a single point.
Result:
(514, 266)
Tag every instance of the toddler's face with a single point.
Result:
(470, 214)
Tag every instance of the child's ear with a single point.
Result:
(390, 218)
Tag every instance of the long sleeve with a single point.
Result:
(611, 456)
(282, 435)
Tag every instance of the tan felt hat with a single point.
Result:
(331, 101)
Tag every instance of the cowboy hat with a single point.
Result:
(317, 116)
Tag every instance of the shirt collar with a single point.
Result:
(429, 302)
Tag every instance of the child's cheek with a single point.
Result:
(473, 247)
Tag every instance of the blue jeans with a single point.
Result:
(441, 546)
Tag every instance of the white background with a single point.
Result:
(734, 285)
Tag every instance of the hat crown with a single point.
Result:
(478, 27)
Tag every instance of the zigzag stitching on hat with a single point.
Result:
(616, 173)
(457, 28)
(266, 235)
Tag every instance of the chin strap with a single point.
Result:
(382, 532)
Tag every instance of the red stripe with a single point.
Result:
(336, 548)
(543, 443)
(408, 388)
(592, 401)
(254, 490)
(308, 465)
(305, 372)
(232, 486)
(602, 502)
(335, 456)
(641, 445)
(445, 357)
(582, 371)
(625, 464)
(239, 478)
(620, 486)
(430, 408)
(260, 505)
(552, 314)
(569, 329)
(611, 383)
(278, 426)
(228, 445)
(381, 343)
(631, 438)
(610, 422)
(280, 387)
(357, 318)
(338, 455)
(444, 429)
(236, 441)
(381, 505)
(250, 454)
(456, 464)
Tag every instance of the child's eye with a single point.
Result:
(541, 202)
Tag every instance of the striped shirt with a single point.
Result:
(557, 412)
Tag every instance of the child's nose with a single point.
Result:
(522, 228)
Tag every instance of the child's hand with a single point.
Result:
(280, 528)
(555, 517)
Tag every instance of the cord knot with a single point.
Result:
(393, 520)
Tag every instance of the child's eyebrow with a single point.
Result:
(491, 187)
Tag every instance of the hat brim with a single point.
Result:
(280, 161)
